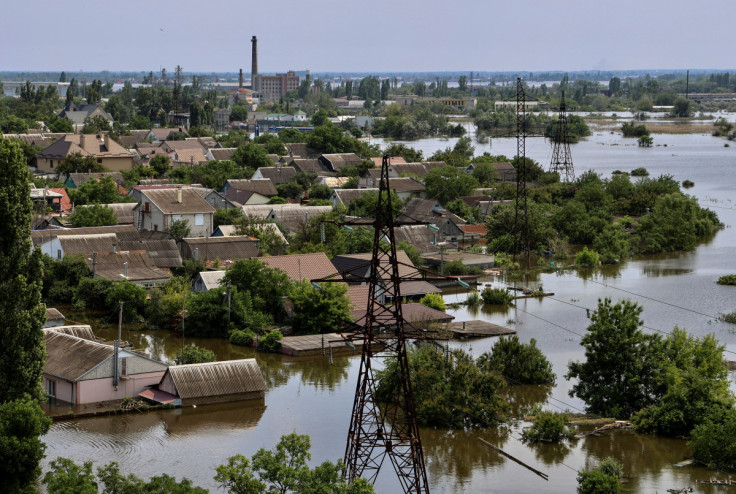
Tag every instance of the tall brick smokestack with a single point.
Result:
(240, 79)
(255, 83)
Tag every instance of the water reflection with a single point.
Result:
(458, 453)
(313, 371)
(551, 453)
(523, 397)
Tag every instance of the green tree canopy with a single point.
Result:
(520, 363)
(448, 183)
(94, 215)
(319, 310)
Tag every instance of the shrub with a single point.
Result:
(194, 354)
(587, 258)
(729, 279)
(639, 172)
(496, 296)
(549, 427)
(242, 337)
(730, 317)
(713, 442)
(688, 184)
(433, 301)
(92, 293)
(505, 261)
(271, 342)
(520, 363)
(601, 480)
(630, 129)
(473, 299)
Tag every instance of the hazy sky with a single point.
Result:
(365, 36)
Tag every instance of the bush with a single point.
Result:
(132, 295)
(92, 293)
(473, 299)
(729, 279)
(639, 172)
(449, 390)
(713, 442)
(496, 296)
(242, 337)
(271, 342)
(630, 129)
(601, 480)
(194, 354)
(549, 427)
(520, 363)
(587, 258)
(22, 422)
(728, 317)
(688, 184)
(433, 301)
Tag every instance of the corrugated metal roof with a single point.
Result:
(167, 200)
(359, 265)
(222, 248)
(124, 232)
(54, 314)
(87, 244)
(211, 279)
(217, 378)
(277, 174)
(140, 267)
(347, 196)
(83, 331)
(263, 186)
(70, 357)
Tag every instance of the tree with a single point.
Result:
(12, 124)
(713, 441)
(76, 163)
(520, 363)
(238, 113)
(410, 155)
(603, 479)
(103, 191)
(161, 163)
(96, 125)
(618, 376)
(22, 351)
(66, 477)
(193, 354)
(682, 107)
(319, 310)
(94, 215)
(366, 205)
(251, 156)
(433, 301)
(133, 297)
(448, 183)
(462, 83)
(209, 315)
(284, 469)
(178, 229)
(486, 174)
(449, 391)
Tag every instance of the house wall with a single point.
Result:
(118, 164)
(206, 400)
(94, 390)
(52, 248)
(63, 388)
(167, 384)
(135, 365)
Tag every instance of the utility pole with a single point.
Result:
(229, 298)
(120, 322)
(521, 195)
(561, 156)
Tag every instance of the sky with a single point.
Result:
(367, 36)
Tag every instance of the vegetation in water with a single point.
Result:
(193, 354)
(433, 301)
(496, 296)
(271, 341)
(604, 479)
(587, 258)
(549, 427)
(519, 363)
(728, 279)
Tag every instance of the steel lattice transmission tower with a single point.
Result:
(521, 211)
(390, 430)
(561, 155)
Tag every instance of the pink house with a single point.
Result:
(80, 371)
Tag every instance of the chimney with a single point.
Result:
(106, 138)
(81, 141)
(309, 76)
(114, 248)
(255, 84)
(178, 195)
(240, 79)
(196, 254)
(125, 270)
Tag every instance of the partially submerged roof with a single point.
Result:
(217, 378)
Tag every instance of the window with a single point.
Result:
(52, 163)
(155, 228)
(99, 160)
(58, 254)
(175, 217)
(198, 219)
(51, 388)
(124, 366)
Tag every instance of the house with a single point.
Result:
(161, 134)
(136, 137)
(262, 186)
(159, 208)
(45, 198)
(359, 296)
(430, 211)
(473, 233)
(309, 165)
(54, 318)
(188, 157)
(293, 217)
(218, 201)
(396, 160)
(80, 371)
(174, 146)
(417, 170)
(230, 230)
(302, 266)
(338, 161)
(211, 382)
(346, 196)
(77, 114)
(222, 248)
(220, 154)
(415, 314)
(506, 171)
(276, 174)
(75, 180)
(420, 236)
(207, 280)
(108, 153)
(242, 197)
(405, 187)
(135, 266)
(351, 266)
(299, 150)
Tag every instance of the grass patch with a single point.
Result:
(729, 279)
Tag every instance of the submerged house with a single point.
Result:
(211, 382)
(81, 371)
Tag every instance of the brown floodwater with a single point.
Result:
(311, 396)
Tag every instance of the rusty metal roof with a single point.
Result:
(302, 266)
(217, 378)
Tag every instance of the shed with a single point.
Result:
(214, 382)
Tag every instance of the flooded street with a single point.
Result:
(315, 398)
